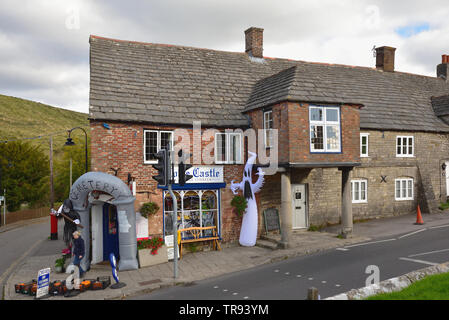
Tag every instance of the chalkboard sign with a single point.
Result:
(271, 217)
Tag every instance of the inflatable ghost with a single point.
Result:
(248, 233)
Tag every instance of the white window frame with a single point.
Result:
(324, 123)
(401, 154)
(364, 135)
(353, 194)
(145, 161)
(228, 153)
(401, 189)
(268, 127)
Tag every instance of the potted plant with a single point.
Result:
(59, 265)
(149, 209)
(151, 251)
(239, 205)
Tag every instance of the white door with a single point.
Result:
(299, 206)
(97, 233)
(447, 179)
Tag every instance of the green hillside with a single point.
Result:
(21, 118)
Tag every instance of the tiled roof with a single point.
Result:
(441, 105)
(143, 82)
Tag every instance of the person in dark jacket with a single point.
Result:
(69, 226)
(78, 251)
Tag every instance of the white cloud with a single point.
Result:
(44, 44)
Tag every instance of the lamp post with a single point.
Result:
(69, 142)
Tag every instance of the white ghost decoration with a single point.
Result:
(248, 233)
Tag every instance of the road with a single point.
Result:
(332, 272)
(22, 241)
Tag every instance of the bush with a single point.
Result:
(239, 203)
(149, 209)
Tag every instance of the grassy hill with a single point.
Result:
(21, 118)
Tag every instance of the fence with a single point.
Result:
(12, 217)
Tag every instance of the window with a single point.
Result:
(268, 126)
(154, 141)
(359, 191)
(404, 146)
(404, 189)
(324, 129)
(228, 148)
(364, 144)
(196, 208)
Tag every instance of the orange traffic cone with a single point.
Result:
(419, 219)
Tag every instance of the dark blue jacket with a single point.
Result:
(78, 249)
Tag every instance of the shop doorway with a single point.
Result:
(299, 206)
(110, 232)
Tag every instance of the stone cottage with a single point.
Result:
(352, 142)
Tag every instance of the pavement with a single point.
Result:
(205, 264)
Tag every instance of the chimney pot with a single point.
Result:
(385, 58)
(254, 42)
(443, 68)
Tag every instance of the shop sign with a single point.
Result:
(203, 174)
(43, 282)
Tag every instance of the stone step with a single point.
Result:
(266, 244)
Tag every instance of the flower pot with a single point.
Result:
(58, 269)
(147, 259)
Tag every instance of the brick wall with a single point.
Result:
(122, 147)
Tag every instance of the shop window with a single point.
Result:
(196, 208)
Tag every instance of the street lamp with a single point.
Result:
(70, 142)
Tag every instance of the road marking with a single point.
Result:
(443, 226)
(287, 273)
(424, 253)
(338, 285)
(215, 287)
(366, 243)
(412, 233)
(419, 261)
(235, 293)
(342, 249)
(323, 281)
(225, 290)
(298, 276)
(276, 270)
(310, 279)
(246, 297)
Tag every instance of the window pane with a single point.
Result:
(333, 138)
(316, 114)
(150, 145)
(317, 139)
(235, 148)
(404, 146)
(268, 120)
(166, 140)
(404, 189)
(363, 190)
(410, 146)
(331, 115)
(399, 146)
(220, 147)
(410, 188)
(398, 189)
(356, 189)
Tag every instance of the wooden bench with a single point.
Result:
(197, 235)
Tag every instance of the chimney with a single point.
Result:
(443, 68)
(254, 42)
(385, 59)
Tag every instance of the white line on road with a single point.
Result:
(436, 227)
(412, 233)
(342, 249)
(419, 261)
(366, 243)
(424, 253)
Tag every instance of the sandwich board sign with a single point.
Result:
(43, 282)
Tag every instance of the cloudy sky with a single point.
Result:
(44, 48)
